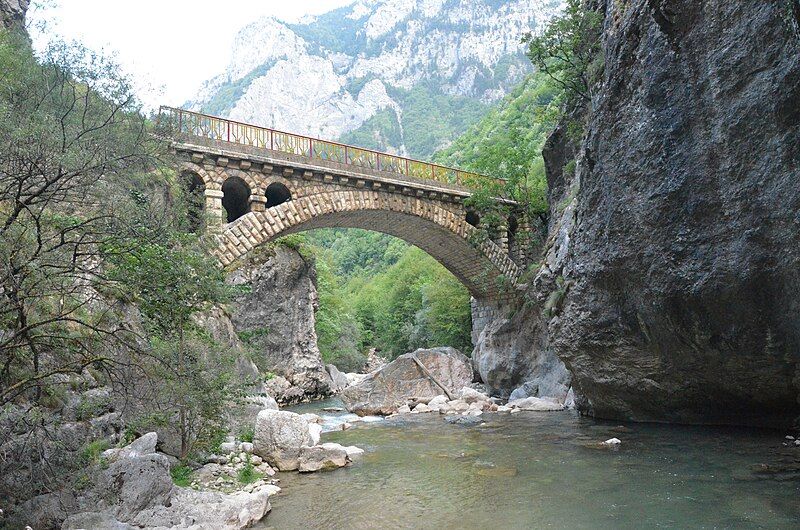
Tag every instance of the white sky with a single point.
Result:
(169, 46)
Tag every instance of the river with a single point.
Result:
(544, 470)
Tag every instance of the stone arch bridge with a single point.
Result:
(259, 184)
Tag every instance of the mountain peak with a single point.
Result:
(312, 76)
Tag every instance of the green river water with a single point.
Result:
(544, 470)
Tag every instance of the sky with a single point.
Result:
(168, 46)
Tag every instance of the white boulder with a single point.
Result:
(279, 437)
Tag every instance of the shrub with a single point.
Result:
(181, 475)
(248, 474)
(247, 434)
(92, 451)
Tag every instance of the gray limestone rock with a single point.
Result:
(279, 437)
(322, 458)
(387, 389)
(681, 268)
(275, 316)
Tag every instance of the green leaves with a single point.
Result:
(566, 50)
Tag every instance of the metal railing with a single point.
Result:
(175, 122)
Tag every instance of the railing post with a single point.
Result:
(407, 173)
(379, 161)
(345, 155)
(228, 123)
(180, 121)
(310, 148)
(271, 140)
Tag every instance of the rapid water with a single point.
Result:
(544, 470)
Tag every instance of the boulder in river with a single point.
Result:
(339, 381)
(387, 389)
(322, 458)
(279, 436)
(536, 404)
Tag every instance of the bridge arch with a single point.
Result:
(277, 193)
(235, 197)
(442, 233)
(209, 182)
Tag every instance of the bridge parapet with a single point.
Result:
(212, 131)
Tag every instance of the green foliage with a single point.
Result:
(399, 309)
(248, 474)
(508, 143)
(88, 409)
(377, 291)
(92, 451)
(247, 434)
(568, 51)
(429, 121)
(253, 335)
(70, 131)
(181, 475)
(338, 331)
(171, 279)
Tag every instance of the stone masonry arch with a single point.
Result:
(441, 232)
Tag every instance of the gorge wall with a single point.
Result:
(12, 13)
(673, 262)
(272, 315)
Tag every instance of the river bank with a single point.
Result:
(544, 469)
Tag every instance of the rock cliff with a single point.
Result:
(676, 242)
(12, 13)
(273, 316)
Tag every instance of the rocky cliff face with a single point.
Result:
(12, 13)
(381, 59)
(678, 238)
(274, 317)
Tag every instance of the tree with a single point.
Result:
(568, 50)
(171, 280)
(70, 129)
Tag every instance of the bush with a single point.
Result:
(247, 434)
(181, 475)
(93, 450)
(248, 474)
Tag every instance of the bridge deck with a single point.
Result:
(212, 132)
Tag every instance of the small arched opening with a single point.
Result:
(235, 198)
(511, 233)
(473, 218)
(277, 194)
(194, 188)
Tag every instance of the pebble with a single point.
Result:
(612, 441)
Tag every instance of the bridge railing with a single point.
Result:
(175, 122)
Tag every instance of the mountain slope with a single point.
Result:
(403, 75)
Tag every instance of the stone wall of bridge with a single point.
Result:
(428, 215)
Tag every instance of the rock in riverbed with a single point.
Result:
(279, 437)
(290, 442)
(136, 491)
(387, 389)
(321, 458)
